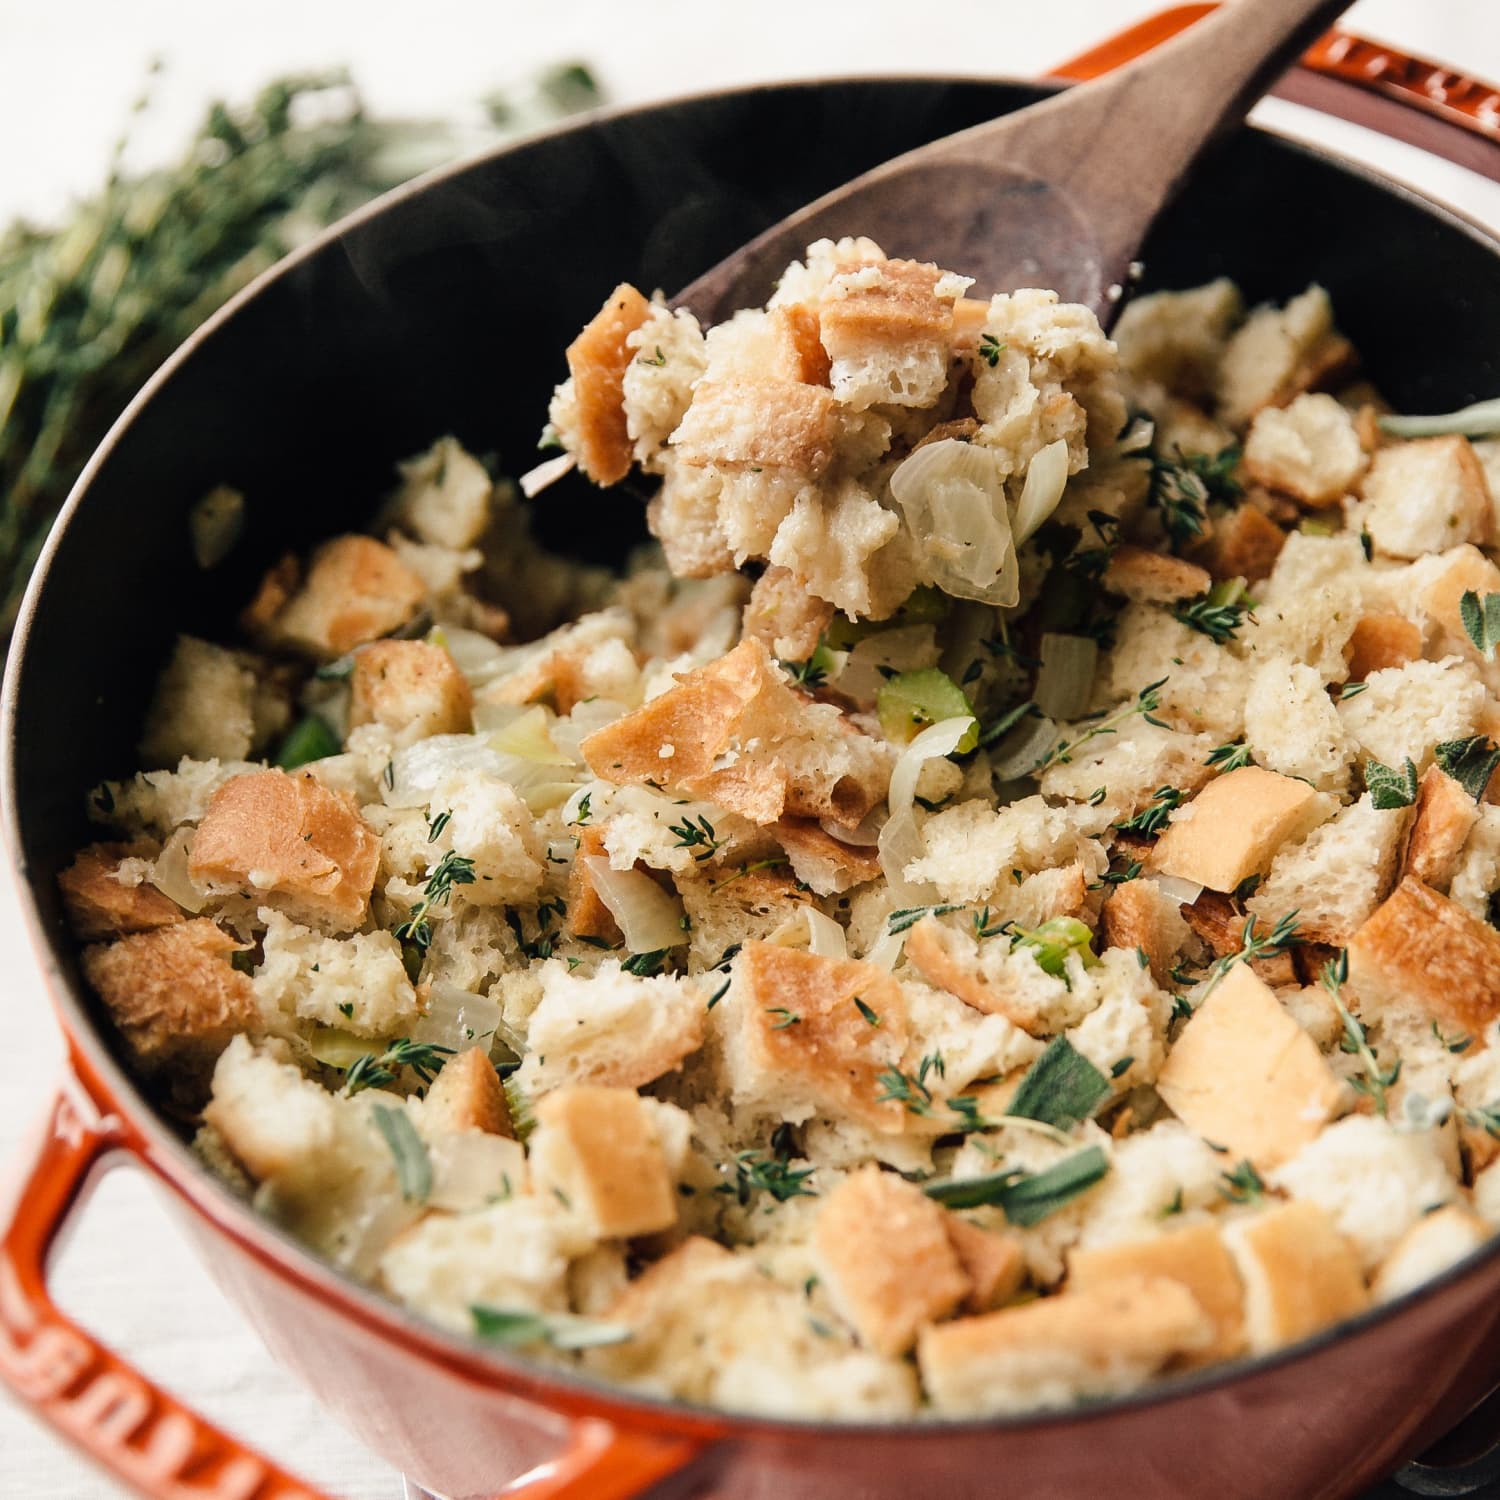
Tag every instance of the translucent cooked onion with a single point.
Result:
(905, 649)
(336, 1048)
(1018, 754)
(457, 1018)
(169, 873)
(1046, 478)
(900, 840)
(650, 919)
(528, 736)
(1065, 681)
(419, 772)
(885, 953)
(824, 936)
(864, 835)
(475, 655)
(534, 481)
(471, 1168)
(1183, 892)
(953, 497)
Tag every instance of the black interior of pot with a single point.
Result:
(448, 311)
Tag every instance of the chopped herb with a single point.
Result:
(1229, 757)
(1481, 619)
(1367, 543)
(744, 870)
(864, 1010)
(813, 672)
(585, 812)
(1128, 871)
(1143, 958)
(1254, 946)
(698, 836)
(1098, 795)
(1243, 1185)
(451, 870)
(515, 1328)
(908, 916)
(436, 827)
(346, 1010)
(1351, 690)
(658, 360)
(984, 927)
(1151, 820)
(774, 1175)
(374, 1070)
(646, 965)
(990, 349)
(1182, 489)
(1371, 1080)
(336, 671)
(389, 776)
(1025, 1198)
(413, 1165)
(308, 740)
(972, 673)
(1173, 1207)
(1392, 787)
(1145, 703)
(1218, 621)
(787, 1017)
(1455, 1044)
(912, 1092)
(1182, 1007)
(1247, 887)
(1061, 1088)
(1469, 762)
(1121, 1067)
(1006, 722)
(1054, 942)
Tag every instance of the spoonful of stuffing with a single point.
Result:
(1060, 194)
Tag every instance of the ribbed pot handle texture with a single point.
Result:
(147, 1438)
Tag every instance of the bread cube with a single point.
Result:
(1463, 570)
(1243, 544)
(1153, 577)
(1276, 353)
(588, 916)
(1234, 826)
(785, 616)
(753, 424)
(466, 1095)
(1308, 449)
(1442, 820)
(1293, 728)
(822, 862)
(1434, 1243)
(291, 844)
(1300, 1274)
(597, 1151)
(203, 706)
(1422, 953)
(100, 905)
(885, 1255)
(1406, 711)
(592, 419)
(1195, 1256)
(993, 1261)
(1097, 1342)
(1138, 915)
(1219, 921)
(173, 994)
(356, 590)
(1425, 495)
(1245, 1075)
(412, 688)
(1178, 338)
(444, 499)
(1380, 641)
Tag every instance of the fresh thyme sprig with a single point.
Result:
(374, 1070)
(1254, 945)
(1151, 820)
(1184, 486)
(1145, 703)
(697, 835)
(1371, 1080)
(451, 870)
(774, 1175)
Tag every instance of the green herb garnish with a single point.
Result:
(1229, 757)
(1061, 1088)
(1054, 942)
(1391, 787)
(1025, 1198)
(1371, 1080)
(374, 1070)
(451, 870)
(1481, 621)
(413, 1165)
(1469, 762)
(309, 739)
(1243, 1185)
(1151, 820)
(516, 1328)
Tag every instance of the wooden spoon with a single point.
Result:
(1060, 194)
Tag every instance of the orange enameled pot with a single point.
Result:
(445, 308)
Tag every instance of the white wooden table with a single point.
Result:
(72, 68)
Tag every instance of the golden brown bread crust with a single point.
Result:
(887, 1258)
(831, 1050)
(98, 906)
(1246, 1076)
(1243, 544)
(467, 1095)
(1329, 363)
(290, 842)
(410, 683)
(1442, 819)
(1421, 949)
(1221, 924)
(275, 589)
(588, 916)
(822, 861)
(1196, 1257)
(994, 1263)
(801, 335)
(1380, 641)
(899, 307)
(597, 360)
(759, 424)
(783, 615)
(1468, 569)
(1132, 919)
(1154, 577)
(173, 994)
(927, 949)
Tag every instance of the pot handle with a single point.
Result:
(1367, 83)
(145, 1437)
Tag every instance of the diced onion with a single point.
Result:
(475, 655)
(905, 649)
(568, 733)
(471, 1168)
(457, 1018)
(336, 1048)
(169, 873)
(1183, 892)
(420, 771)
(1065, 681)
(953, 497)
(1046, 479)
(534, 481)
(1023, 748)
(885, 953)
(900, 840)
(824, 936)
(863, 835)
(528, 736)
(647, 915)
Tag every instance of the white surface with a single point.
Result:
(72, 69)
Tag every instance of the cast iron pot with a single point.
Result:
(445, 309)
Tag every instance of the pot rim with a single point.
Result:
(169, 1157)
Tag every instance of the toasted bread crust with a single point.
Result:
(588, 916)
(784, 616)
(927, 948)
(1422, 949)
(410, 685)
(1132, 918)
(759, 424)
(822, 861)
(99, 906)
(994, 1263)
(290, 842)
(1221, 924)
(1468, 569)
(1442, 819)
(467, 1095)
(173, 994)
(1153, 577)
(1380, 641)
(597, 360)
(887, 1258)
(1244, 544)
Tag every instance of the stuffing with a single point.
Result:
(173, 993)
(658, 383)
(1243, 544)
(1477, 875)
(1431, 1246)
(1335, 877)
(489, 825)
(357, 984)
(1442, 820)
(1124, 1035)
(356, 590)
(1245, 1076)
(1373, 1181)
(1444, 580)
(1276, 353)
(1425, 495)
(414, 689)
(203, 706)
(1421, 953)
(1292, 727)
(1130, 765)
(822, 862)
(885, 1254)
(589, 410)
(466, 1095)
(1405, 711)
(1232, 829)
(1380, 641)
(288, 843)
(684, 517)
(1307, 449)
(993, 1261)
(1178, 338)
(102, 902)
(598, 1152)
(1153, 577)
(609, 1028)
(1164, 1174)
(155, 803)
(1140, 917)
(784, 616)
(1100, 1342)
(759, 424)
(1299, 1273)
(444, 496)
